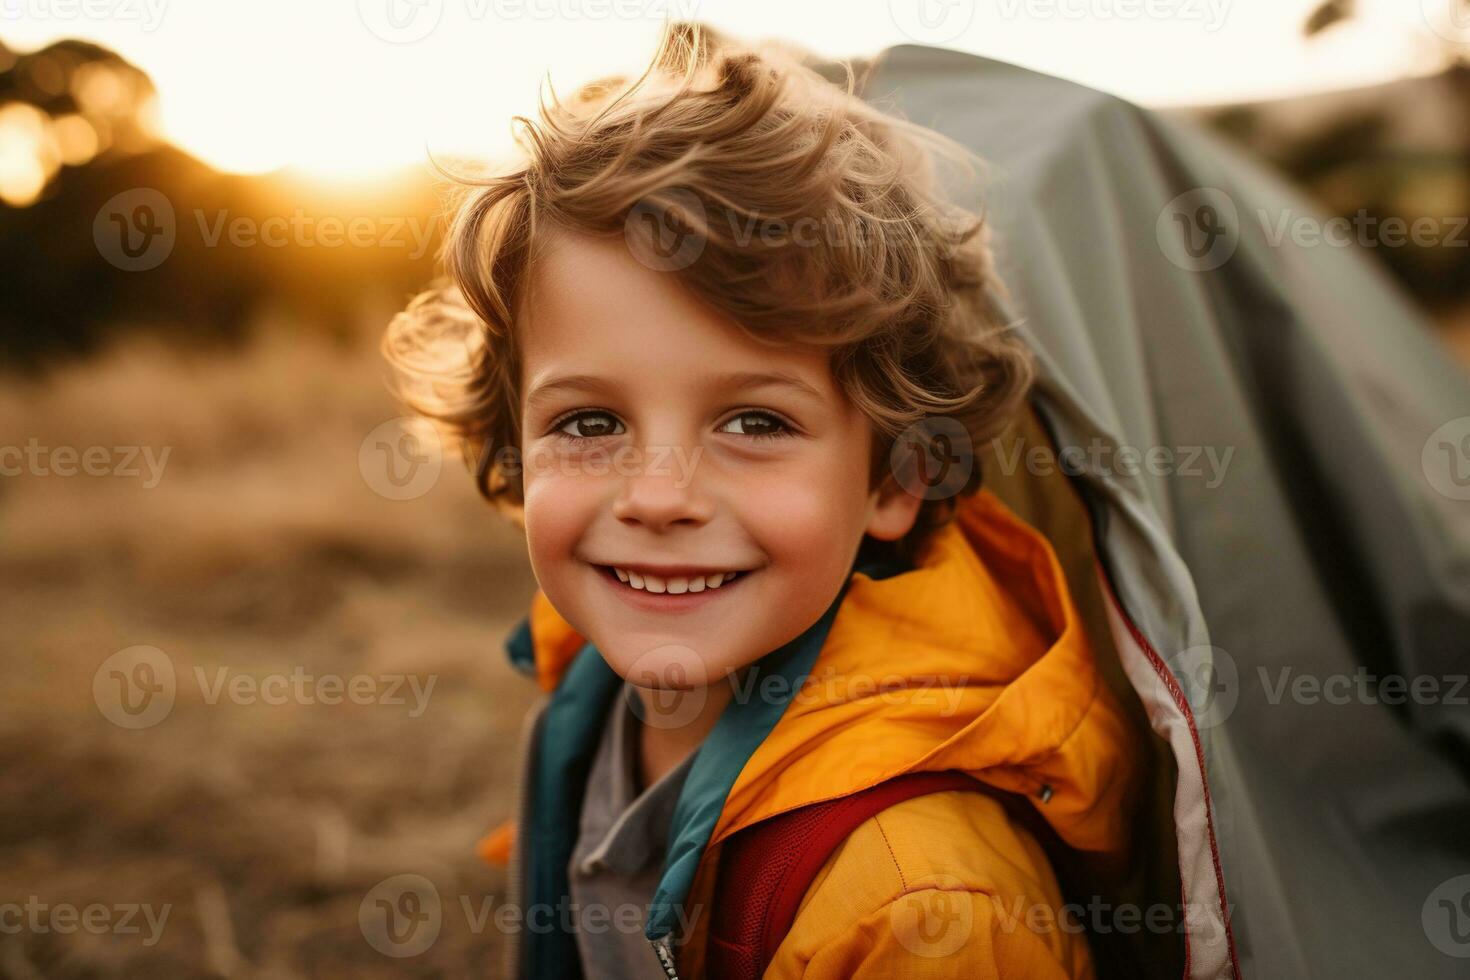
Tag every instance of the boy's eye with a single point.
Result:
(590, 425)
(755, 424)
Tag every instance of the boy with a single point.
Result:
(693, 343)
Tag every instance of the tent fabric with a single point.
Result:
(1333, 543)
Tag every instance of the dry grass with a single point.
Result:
(262, 549)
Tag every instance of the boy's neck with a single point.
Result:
(672, 728)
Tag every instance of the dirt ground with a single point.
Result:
(260, 563)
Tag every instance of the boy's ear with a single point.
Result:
(894, 511)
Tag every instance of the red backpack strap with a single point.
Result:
(765, 869)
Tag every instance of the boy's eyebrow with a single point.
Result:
(740, 380)
(763, 379)
(571, 382)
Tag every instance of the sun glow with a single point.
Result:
(356, 90)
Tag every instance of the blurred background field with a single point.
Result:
(264, 550)
(267, 546)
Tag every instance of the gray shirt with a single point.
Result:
(619, 856)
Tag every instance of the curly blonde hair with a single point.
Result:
(715, 140)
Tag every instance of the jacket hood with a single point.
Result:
(976, 660)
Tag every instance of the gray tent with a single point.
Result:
(1260, 602)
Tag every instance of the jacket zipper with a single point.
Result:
(663, 948)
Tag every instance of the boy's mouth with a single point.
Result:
(671, 581)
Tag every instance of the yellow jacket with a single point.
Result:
(976, 661)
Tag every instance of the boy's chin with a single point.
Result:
(682, 660)
(664, 664)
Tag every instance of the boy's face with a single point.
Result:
(693, 498)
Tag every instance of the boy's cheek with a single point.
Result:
(557, 511)
(805, 520)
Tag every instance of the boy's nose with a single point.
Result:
(661, 501)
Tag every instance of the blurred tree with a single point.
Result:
(1452, 38)
(77, 129)
(1329, 13)
(1400, 150)
(66, 105)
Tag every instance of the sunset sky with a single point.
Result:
(346, 89)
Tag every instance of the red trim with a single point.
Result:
(1182, 703)
(766, 869)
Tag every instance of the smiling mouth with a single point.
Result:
(693, 581)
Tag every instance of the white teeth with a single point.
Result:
(674, 584)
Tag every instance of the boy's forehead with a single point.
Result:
(598, 276)
(574, 268)
(591, 303)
